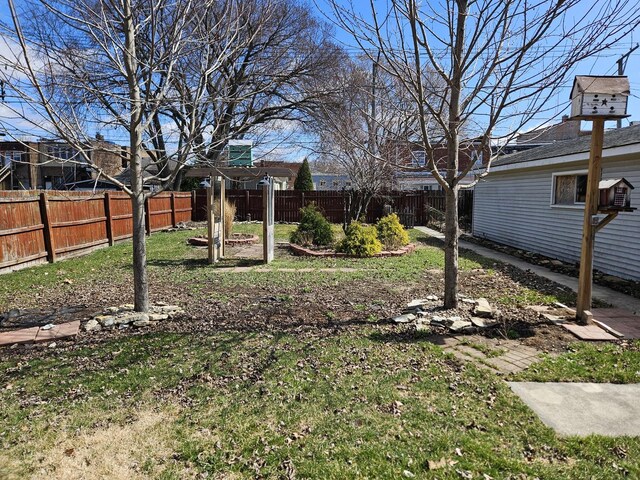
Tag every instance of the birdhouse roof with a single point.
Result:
(612, 85)
(613, 182)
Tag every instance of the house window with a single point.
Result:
(58, 152)
(323, 183)
(570, 189)
(335, 183)
(10, 156)
(347, 184)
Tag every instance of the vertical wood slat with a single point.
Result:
(48, 230)
(147, 216)
(107, 212)
(173, 209)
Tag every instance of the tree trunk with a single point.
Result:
(140, 279)
(451, 249)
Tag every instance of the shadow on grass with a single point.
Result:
(524, 278)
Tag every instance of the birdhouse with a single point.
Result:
(615, 194)
(599, 97)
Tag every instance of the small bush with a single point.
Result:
(313, 229)
(391, 232)
(360, 241)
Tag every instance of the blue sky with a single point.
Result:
(602, 64)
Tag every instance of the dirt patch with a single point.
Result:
(135, 450)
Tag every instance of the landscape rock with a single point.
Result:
(142, 323)
(111, 310)
(417, 303)
(406, 318)
(460, 325)
(155, 317)
(483, 308)
(440, 321)
(92, 325)
(132, 317)
(469, 300)
(432, 298)
(556, 263)
(483, 322)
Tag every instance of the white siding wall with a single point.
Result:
(513, 208)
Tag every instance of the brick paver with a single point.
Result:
(58, 332)
(589, 332)
(24, 335)
(37, 334)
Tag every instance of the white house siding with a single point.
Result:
(513, 208)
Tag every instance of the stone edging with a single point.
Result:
(306, 252)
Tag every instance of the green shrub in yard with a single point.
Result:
(314, 229)
(391, 232)
(360, 241)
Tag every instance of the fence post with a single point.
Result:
(194, 212)
(107, 213)
(48, 230)
(173, 209)
(247, 204)
(147, 215)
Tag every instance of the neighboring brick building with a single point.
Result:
(47, 164)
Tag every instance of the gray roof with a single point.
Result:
(612, 138)
(599, 84)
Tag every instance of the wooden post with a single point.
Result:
(49, 242)
(147, 217)
(210, 222)
(222, 216)
(194, 212)
(247, 204)
(107, 213)
(588, 229)
(173, 209)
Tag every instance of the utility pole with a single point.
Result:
(622, 64)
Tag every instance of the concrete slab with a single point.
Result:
(589, 332)
(584, 408)
(24, 335)
(58, 332)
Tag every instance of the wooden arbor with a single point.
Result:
(597, 99)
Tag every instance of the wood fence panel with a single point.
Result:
(160, 217)
(77, 224)
(121, 216)
(21, 232)
(182, 206)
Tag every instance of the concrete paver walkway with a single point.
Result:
(604, 294)
(584, 408)
(509, 356)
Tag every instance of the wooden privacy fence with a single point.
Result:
(51, 225)
(413, 207)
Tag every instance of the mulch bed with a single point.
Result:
(308, 252)
(622, 285)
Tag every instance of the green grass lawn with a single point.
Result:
(345, 396)
(589, 362)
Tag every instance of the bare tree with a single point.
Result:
(501, 63)
(360, 126)
(87, 65)
(256, 75)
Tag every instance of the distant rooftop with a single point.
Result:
(612, 138)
